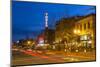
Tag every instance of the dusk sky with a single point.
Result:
(28, 17)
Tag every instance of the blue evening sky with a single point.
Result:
(28, 17)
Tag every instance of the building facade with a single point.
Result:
(64, 29)
(85, 28)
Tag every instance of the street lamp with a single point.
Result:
(77, 35)
(17, 41)
(28, 42)
(76, 31)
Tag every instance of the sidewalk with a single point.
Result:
(78, 54)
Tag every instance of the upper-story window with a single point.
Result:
(75, 26)
(88, 25)
(84, 26)
(80, 27)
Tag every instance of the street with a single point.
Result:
(24, 57)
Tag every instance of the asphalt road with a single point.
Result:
(29, 57)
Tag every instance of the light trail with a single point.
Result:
(44, 57)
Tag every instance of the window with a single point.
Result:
(88, 25)
(84, 26)
(80, 27)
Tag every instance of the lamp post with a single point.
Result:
(77, 34)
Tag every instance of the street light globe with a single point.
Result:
(76, 50)
(75, 31)
(78, 31)
(85, 51)
(28, 42)
(17, 41)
